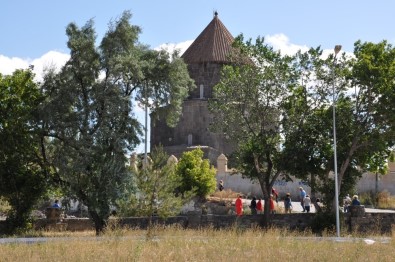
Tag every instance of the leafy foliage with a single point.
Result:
(23, 178)
(90, 117)
(196, 173)
(156, 185)
(247, 107)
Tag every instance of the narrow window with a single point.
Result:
(189, 139)
(201, 91)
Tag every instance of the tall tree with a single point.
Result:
(23, 179)
(307, 147)
(364, 94)
(368, 96)
(90, 116)
(247, 105)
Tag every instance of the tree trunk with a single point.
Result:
(266, 212)
(100, 223)
(343, 169)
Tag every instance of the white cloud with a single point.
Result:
(50, 59)
(9, 64)
(281, 42)
(171, 47)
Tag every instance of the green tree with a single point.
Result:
(196, 173)
(306, 122)
(247, 107)
(364, 116)
(156, 185)
(23, 177)
(90, 117)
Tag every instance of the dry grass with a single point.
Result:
(385, 200)
(175, 244)
(225, 194)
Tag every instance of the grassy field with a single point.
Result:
(173, 244)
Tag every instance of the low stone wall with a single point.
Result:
(69, 224)
(358, 221)
(371, 222)
(192, 220)
(142, 222)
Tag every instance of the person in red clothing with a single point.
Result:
(275, 194)
(259, 207)
(239, 206)
(272, 211)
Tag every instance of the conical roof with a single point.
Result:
(212, 45)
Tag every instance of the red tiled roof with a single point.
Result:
(212, 45)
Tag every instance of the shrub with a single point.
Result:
(196, 173)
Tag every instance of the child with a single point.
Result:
(288, 203)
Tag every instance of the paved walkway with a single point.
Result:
(297, 207)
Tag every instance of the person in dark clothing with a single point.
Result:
(253, 206)
(56, 204)
(221, 185)
(355, 201)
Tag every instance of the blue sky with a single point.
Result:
(33, 32)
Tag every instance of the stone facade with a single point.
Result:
(235, 182)
(191, 131)
(206, 75)
(205, 58)
(370, 181)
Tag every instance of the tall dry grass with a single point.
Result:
(176, 244)
(385, 200)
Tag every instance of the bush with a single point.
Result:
(323, 221)
(367, 199)
(196, 173)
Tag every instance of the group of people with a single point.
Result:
(305, 201)
(347, 202)
(257, 207)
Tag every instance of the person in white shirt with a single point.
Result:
(307, 203)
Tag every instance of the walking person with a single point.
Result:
(302, 196)
(307, 203)
(239, 206)
(253, 206)
(272, 211)
(288, 203)
(275, 194)
(259, 207)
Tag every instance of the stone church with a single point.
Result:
(205, 58)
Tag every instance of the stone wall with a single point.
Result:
(192, 220)
(237, 183)
(358, 222)
(68, 224)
